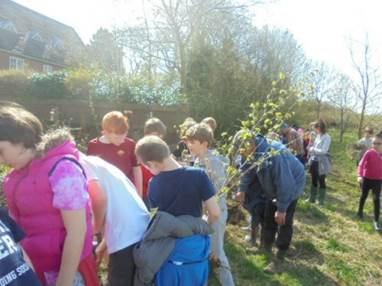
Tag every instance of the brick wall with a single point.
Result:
(34, 65)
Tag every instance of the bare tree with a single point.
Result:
(342, 96)
(321, 80)
(369, 83)
(163, 41)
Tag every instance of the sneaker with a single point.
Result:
(250, 239)
(360, 215)
(246, 228)
(281, 254)
(253, 236)
(377, 226)
(308, 200)
(274, 267)
(265, 249)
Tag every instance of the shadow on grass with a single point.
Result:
(305, 275)
(248, 266)
(350, 211)
(346, 209)
(310, 213)
(305, 250)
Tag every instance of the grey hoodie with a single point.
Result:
(159, 241)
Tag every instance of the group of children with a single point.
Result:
(62, 198)
(59, 200)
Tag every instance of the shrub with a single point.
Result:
(77, 82)
(51, 85)
(13, 82)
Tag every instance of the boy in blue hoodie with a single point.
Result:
(280, 177)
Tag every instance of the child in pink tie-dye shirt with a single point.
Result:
(46, 192)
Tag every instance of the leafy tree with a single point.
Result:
(104, 52)
(211, 51)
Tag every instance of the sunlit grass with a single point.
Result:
(331, 246)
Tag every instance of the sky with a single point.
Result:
(322, 27)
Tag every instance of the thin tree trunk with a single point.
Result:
(362, 118)
(342, 126)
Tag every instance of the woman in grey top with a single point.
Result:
(319, 162)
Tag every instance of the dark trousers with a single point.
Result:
(271, 228)
(375, 186)
(257, 215)
(316, 178)
(301, 158)
(121, 267)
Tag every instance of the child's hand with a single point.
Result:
(280, 217)
(101, 253)
(360, 180)
(240, 197)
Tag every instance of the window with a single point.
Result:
(57, 43)
(16, 63)
(47, 68)
(8, 25)
(35, 36)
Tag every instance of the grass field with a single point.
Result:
(330, 245)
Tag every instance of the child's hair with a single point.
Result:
(187, 123)
(152, 148)
(201, 132)
(18, 125)
(368, 130)
(321, 125)
(210, 121)
(115, 122)
(154, 125)
(378, 135)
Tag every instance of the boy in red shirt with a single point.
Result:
(370, 177)
(116, 148)
(153, 126)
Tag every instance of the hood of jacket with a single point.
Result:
(165, 225)
(56, 142)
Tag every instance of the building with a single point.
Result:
(30, 40)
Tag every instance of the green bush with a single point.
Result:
(80, 83)
(110, 86)
(50, 85)
(77, 82)
(162, 91)
(13, 82)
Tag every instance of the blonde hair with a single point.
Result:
(187, 123)
(115, 122)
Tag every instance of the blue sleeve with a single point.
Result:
(284, 182)
(246, 178)
(207, 189)
(153, 193)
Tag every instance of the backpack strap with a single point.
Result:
(68, 159)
